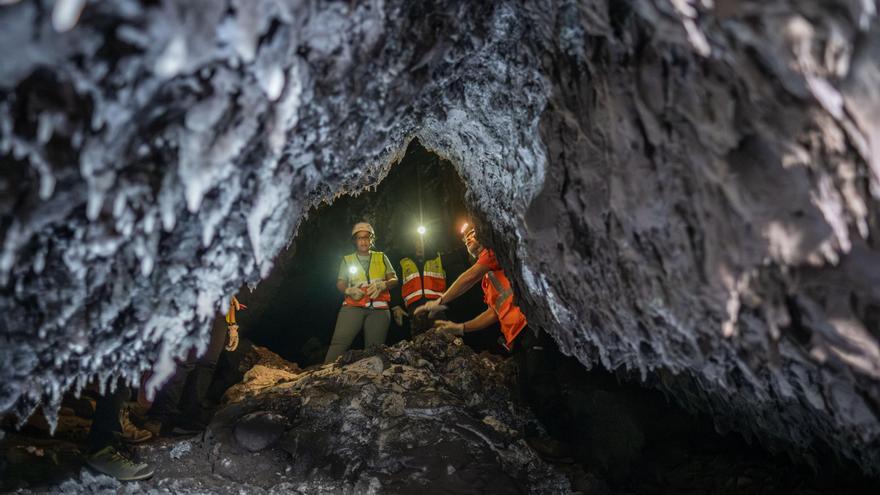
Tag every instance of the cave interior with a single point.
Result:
(625, 435)
(685, 196)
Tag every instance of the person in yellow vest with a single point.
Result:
(365, 279)
(423, 281)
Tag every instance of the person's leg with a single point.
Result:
(376, 327)
(536, 377)
(195, 403)
(166, 404)
(543, 388)
(106, 428)
(104, 439)
(348, 324)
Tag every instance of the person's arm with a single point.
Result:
(464, 282)
(482, 321)
(342, 284)
(390, 276)
(485, 319)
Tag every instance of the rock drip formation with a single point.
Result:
(688, 190)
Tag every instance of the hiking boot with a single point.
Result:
(154, 426)
(111, 462)
(130, 432)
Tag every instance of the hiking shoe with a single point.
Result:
(112, 463)
(130, 432)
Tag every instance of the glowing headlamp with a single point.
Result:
(352, 270)
(421, 230)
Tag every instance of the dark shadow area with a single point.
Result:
(294, 310)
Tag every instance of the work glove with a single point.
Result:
(375, 288)
(354, 293)
(432, 307)
(232, 342)
(399, 314)
(450, 327)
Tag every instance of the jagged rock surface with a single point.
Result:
(428, 416)
(689, 190)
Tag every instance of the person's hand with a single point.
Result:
(375, 288)
(399, 314)
(430, 306)
(232, 343)
(354, 293)
(450, 327)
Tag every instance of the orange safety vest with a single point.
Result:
(415, 286)
(499, 296)
(358, 278)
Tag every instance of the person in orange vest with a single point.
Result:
(423, 280)
(364, 278)
(533, 351)
(497, 293)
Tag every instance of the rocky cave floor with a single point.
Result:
(422, 416)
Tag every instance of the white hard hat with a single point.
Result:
(362, 226)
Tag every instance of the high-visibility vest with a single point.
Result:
(429, 286)
(357, 278)
(499, 296)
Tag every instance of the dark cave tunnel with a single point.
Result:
(297, 304)
(633, 438)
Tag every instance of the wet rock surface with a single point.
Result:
(685, 189)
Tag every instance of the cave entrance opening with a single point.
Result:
(293, 312)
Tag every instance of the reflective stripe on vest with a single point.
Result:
(503, 294)
(429, 286)
(359, 279)
(499, 294)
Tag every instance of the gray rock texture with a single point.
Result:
(688, 190)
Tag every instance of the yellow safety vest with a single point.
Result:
(357, 278)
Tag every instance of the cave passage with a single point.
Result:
(294, 310)
(610, 433)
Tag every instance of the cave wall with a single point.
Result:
(687, 190)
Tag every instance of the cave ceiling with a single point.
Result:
(683, 190)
